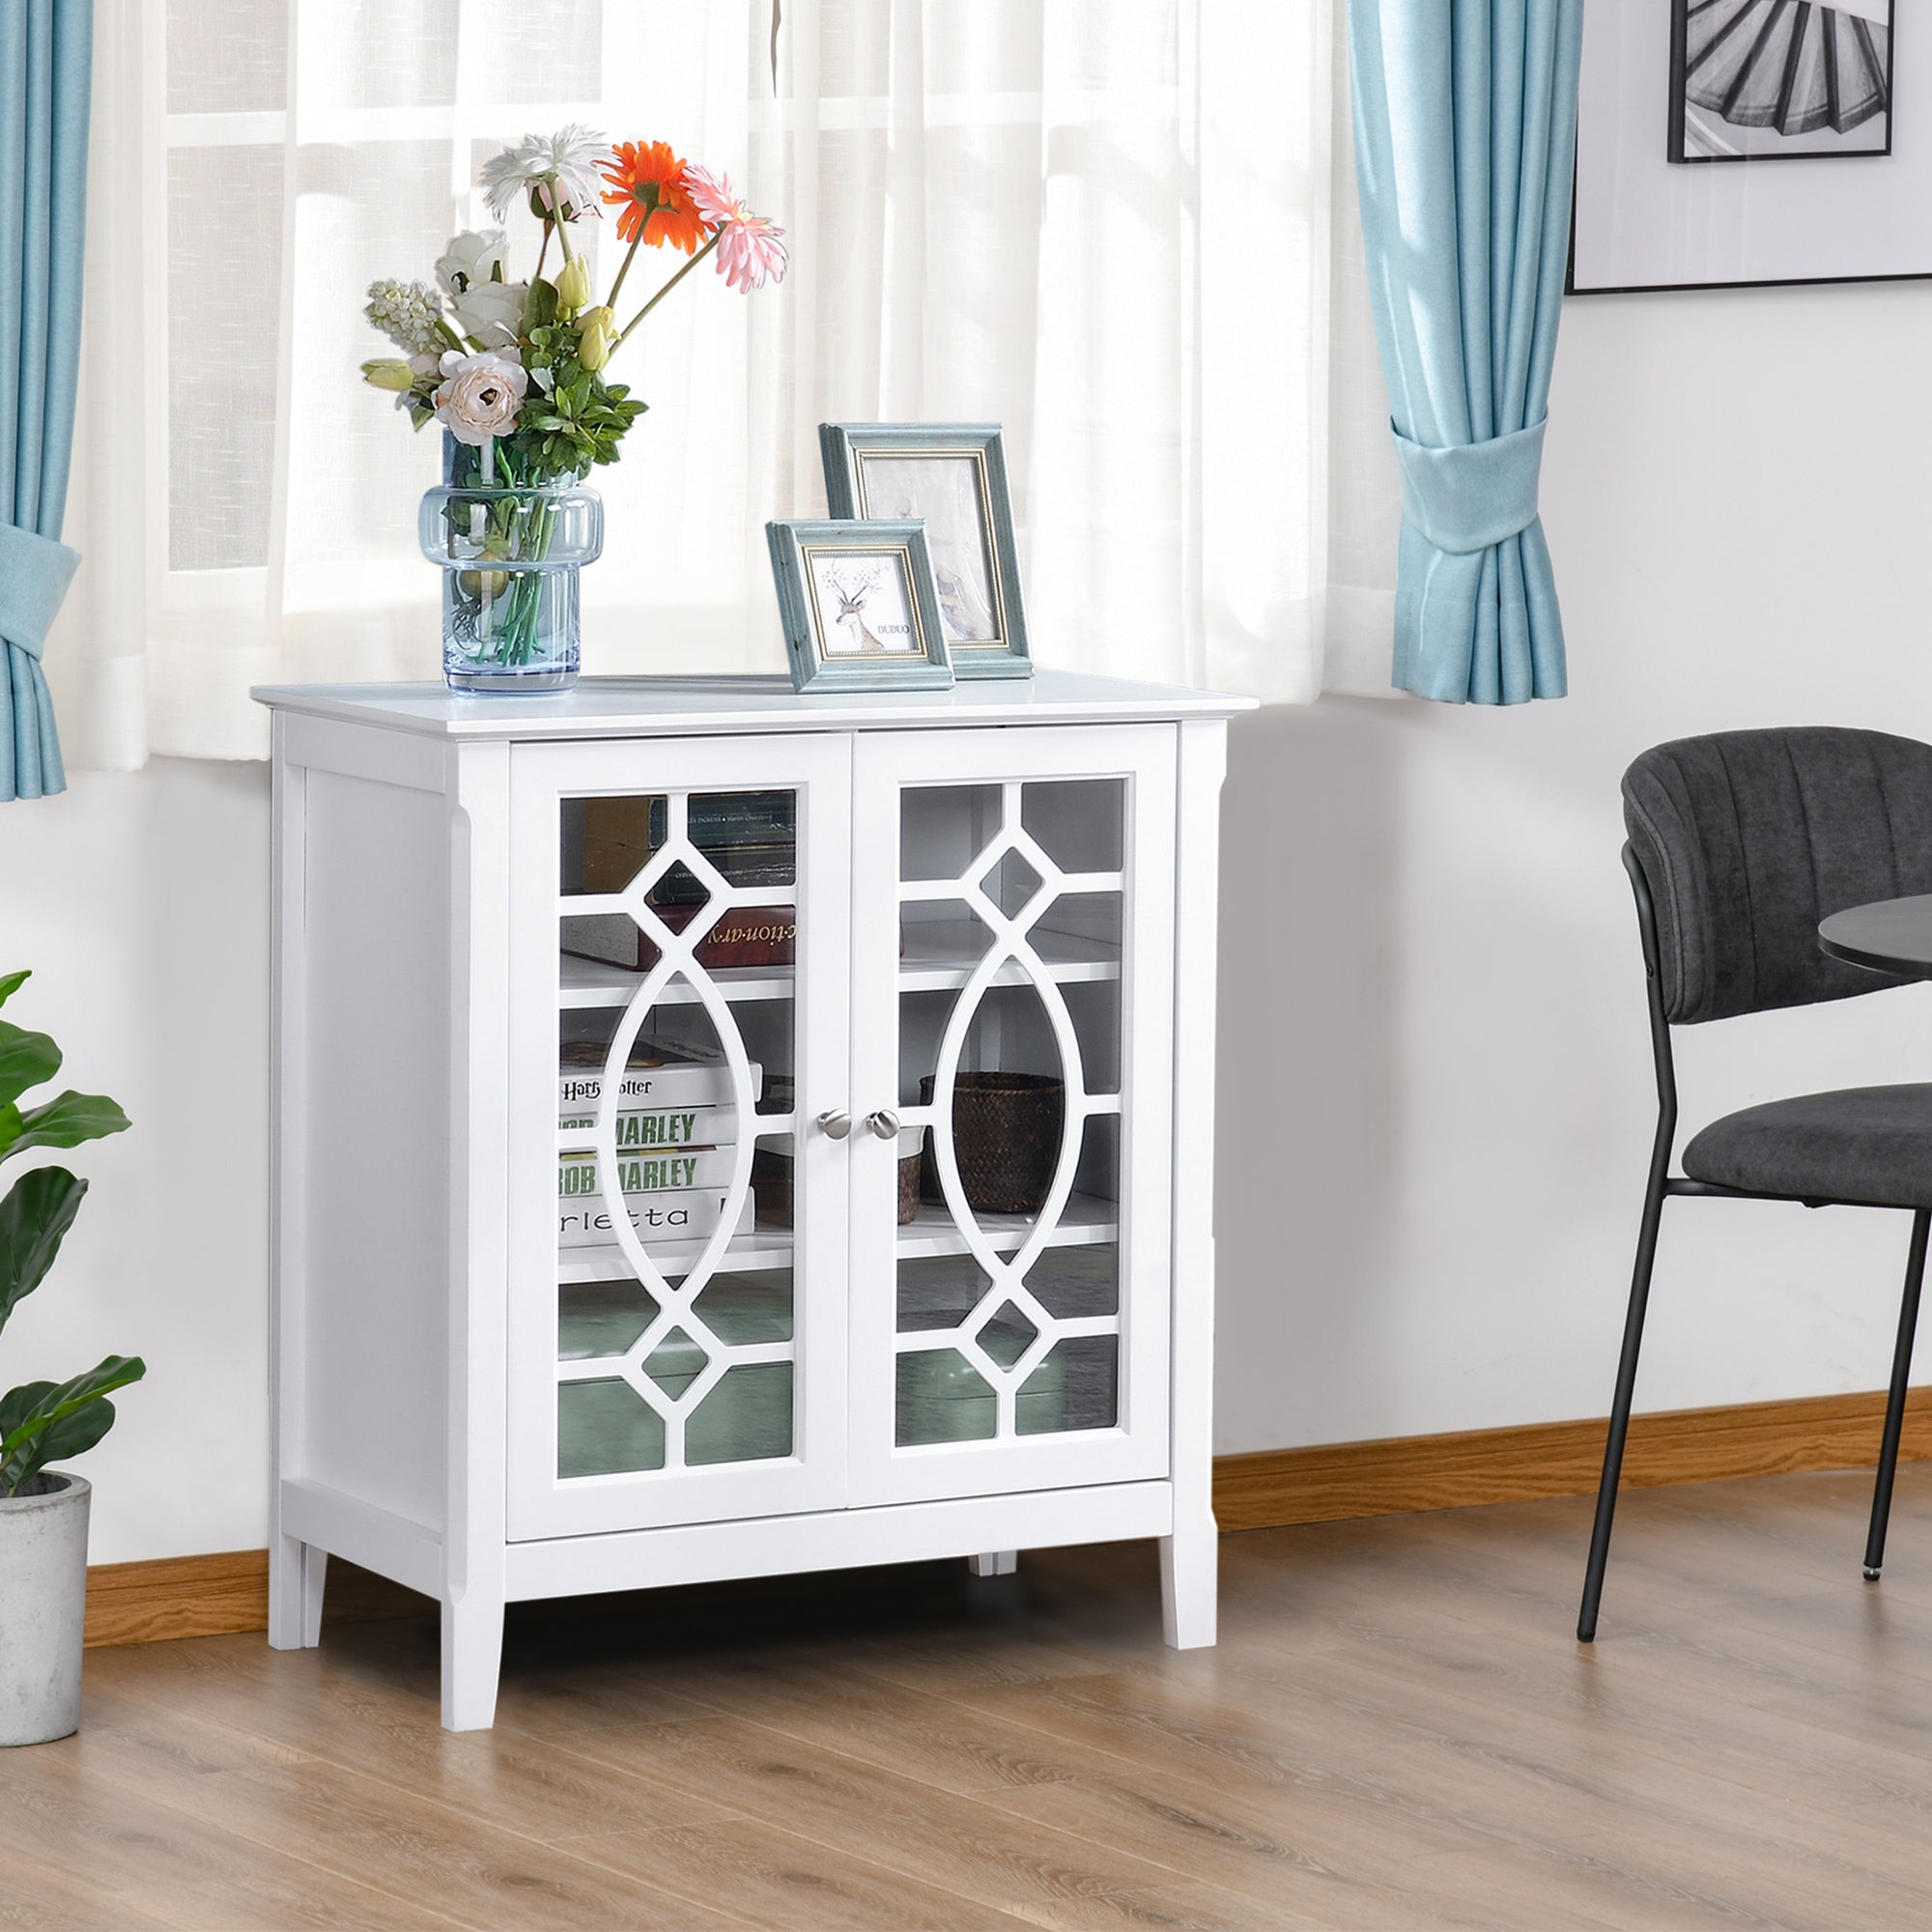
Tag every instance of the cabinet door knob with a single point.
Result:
(834, 1126)
(885, 1124)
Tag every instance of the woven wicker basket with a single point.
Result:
(1007, 1130)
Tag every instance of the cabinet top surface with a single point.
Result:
(609, 708)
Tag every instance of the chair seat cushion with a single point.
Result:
(1870, 1144)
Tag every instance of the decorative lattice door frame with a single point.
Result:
(885, 766)
(541, 1504)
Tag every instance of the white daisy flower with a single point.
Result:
(557, 169)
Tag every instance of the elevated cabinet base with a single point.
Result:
(720, 1133)
(472, 1623)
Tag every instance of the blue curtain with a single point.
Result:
(46, 48)
(1466, 138)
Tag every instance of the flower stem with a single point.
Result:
(667, 287)
(563, 238)
(624, 266)
(542, 253)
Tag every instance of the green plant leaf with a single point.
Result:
(47, 1406)
(26, 1058)
(33, 1218)
(73, 1435)
(16, 1405)
(540, 307)
(65, 1121)
(12, 982)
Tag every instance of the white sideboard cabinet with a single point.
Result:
(720, 1132)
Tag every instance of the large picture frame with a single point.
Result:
(1685, 104)
(953, 476)
(858, 606)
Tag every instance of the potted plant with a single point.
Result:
(43, 1511)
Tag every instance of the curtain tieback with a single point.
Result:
(1473, 495)
(35, 572)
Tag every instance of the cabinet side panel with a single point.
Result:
(374, 1011)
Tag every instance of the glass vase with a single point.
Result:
(509, 554)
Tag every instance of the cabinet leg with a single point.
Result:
(297, 1571)
(994, 1563)
(473, 1657)
(1189, 1582)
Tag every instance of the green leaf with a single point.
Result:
(16, 1405)
(33, 1218)
(66, 1121)
(540, 310)
(73, 1435)
(45, 1406)
(26, 1058)
(12, 982)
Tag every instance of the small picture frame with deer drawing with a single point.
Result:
(859, 608)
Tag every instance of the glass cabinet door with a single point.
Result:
(1013, 965)
(679, 932)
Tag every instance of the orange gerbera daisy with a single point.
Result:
(652, 195)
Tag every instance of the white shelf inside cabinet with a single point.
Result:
(584, 983)
(1085, 1221)
(762, 1248)
(939, 956)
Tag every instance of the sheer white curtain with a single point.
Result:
(1105, 223)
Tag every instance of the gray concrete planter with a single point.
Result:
(43, 1607)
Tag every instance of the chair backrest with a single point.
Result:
(1748, 839)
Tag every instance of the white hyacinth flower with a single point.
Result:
(406, 313)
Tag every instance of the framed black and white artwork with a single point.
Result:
(953, 477)
(1685, 105)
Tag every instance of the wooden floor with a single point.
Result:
(1396, 1730)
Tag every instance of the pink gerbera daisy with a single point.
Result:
(750, 252)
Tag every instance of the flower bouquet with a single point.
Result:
(515, 371)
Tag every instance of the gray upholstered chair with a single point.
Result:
(1740, 843)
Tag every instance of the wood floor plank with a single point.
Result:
(424, 1856)
(939, 1743)
(772, 1877)
(40, 1896)
(142, 1861)
(1398, 1729)
(942, 1838)
(1296, 1845)
(1191, 1906)
(365, 1722)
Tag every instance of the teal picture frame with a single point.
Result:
(847, 592)
(953, 476)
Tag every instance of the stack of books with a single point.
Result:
(676, 1141)
(750, 837)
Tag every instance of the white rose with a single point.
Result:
(492, 312)
(472, 258)
(479, 395)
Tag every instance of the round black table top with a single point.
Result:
(1890, 936)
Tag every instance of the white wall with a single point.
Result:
(1429, 967)
(1430, 959)
(140, 900)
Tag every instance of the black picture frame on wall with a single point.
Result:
(1644, 220)
(1766, 80)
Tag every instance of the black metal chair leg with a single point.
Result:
(1620, 1407)
(1894, 1406)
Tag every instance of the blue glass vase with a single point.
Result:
(509, 554)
